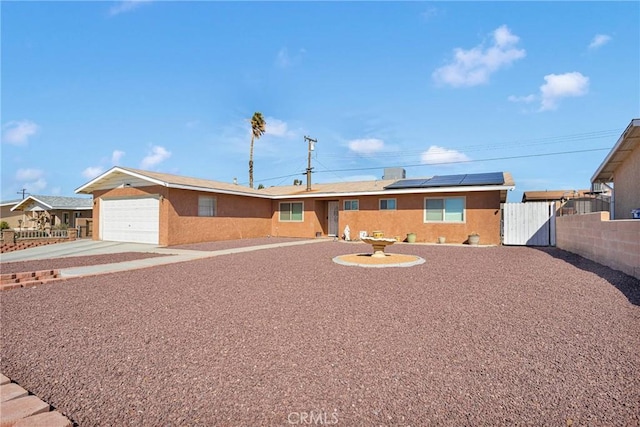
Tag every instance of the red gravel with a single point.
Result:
(76, 261)
(232, 244)
(475, 336)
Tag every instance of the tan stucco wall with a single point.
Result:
(237, 217)
(615, 244)
(482, 216)
(627, 186)
(13, 217)
(314, 213)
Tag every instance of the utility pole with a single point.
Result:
(22, 191)
(312, 143)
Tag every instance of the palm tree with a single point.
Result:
(258, 126)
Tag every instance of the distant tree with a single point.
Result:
(260, 186)
(258, 126)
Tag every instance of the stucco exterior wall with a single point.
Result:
(314, 213)
(627, 186)
(615, 244)
(482, 216)
(13, 217)
(237, 217)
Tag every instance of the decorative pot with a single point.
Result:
(378, 234)
(474, 239)
(441, 239)
(411, 237)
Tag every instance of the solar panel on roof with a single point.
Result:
(444, 181)
(406, 183)
(491, 178)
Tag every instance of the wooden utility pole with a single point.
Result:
(312, 143)
(22, 191)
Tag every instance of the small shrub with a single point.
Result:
(4, 225)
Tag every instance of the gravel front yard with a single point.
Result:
(475, 336)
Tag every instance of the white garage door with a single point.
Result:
(130, 220)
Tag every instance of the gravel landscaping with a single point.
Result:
(474, 336)
(76, 261)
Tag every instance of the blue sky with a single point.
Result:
(439, 88)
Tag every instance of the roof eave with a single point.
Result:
(460, 189)
(596, 176)
(86, 189)
(30, 198)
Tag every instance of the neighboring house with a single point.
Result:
(622, 168)
(6, 214)
(142, 206)
(571, 202)
(39, 212)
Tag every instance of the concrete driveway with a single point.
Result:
(79, 248)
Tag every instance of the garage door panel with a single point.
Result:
(130, 220)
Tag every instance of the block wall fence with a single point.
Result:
(615, 244)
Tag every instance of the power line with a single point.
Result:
(473, 161)
(493, 146)
(559, 153)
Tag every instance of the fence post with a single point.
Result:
(9, 236)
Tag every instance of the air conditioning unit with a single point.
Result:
(598, 187)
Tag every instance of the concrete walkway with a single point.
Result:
(92, 247)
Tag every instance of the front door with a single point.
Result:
(333, 210)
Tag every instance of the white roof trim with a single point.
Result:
(124, 171)
(31, 198)
(634, 123)
(460, 189)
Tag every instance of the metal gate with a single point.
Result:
(529, 224)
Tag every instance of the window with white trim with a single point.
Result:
(444, 209)
(207, 206)
(291, 211)
(387, 204)
(351, 205)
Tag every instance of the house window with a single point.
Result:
(351, 205)
(66, 218)
(291, 211)
(387, 204)
(77, 214)
(206, 206)
(446, 209)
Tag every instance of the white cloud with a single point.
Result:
(430, 13)
(127, 6)
(92, 171)
(474, 66)
(599, 40)
(116, 156)
(277, 127)
(560, 86)
(156, 156)
(285, 60)
(366, 146)
(19, 132)
(31, 179)
(29, 174)
(440, 155)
